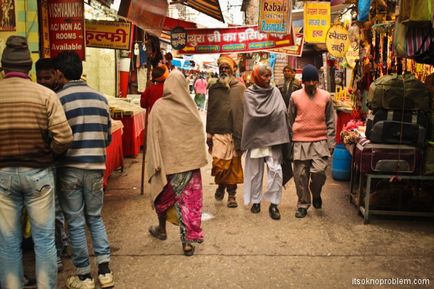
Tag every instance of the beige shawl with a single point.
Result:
(175, 136)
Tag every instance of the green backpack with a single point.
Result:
(399, 92)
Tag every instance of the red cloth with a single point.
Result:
(134, 129)
(342, 119)
(114, 155)
(151, 94)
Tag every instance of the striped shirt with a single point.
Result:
(33, 125)
(88, 115)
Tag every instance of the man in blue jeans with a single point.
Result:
(80, 172)
(33, 128)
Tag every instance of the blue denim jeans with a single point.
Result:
(30, 188)
(81, 198)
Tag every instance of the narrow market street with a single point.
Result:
(327, 249)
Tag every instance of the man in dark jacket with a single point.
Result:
(224, 126)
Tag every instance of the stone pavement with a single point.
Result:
(327, 249)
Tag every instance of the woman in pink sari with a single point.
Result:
(175, 153)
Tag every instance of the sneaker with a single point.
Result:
(106, 280)
(29, 283)
(232, 202)
(74, 282)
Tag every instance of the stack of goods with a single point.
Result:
(400, 115)
(120, 108)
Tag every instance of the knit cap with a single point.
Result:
(16, 55)
(309, 73)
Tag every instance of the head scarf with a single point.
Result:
(258, 70)
(160, 73)
(175, 135)
(225, 59)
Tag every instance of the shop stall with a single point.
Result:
(133, 119)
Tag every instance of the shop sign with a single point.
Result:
(275, 16)
(316, 21)
(338, 40)
(108, 34)
(178, 38)
(352, 54)
(294, 50)
(66, 20)
(235, 39)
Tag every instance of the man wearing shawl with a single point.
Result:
(312, 122)
(173, 161)
(223, 126)
(155, 90)
(265, 130)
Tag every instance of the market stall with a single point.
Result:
(133, 120)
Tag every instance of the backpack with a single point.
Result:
(399, 92)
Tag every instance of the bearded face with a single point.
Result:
(310, 87)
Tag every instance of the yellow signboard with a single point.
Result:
(316, 21)
(275, 16)
(338, 40)
(108, 34)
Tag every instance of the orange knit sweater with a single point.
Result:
(310, 122)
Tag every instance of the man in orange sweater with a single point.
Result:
(312, 123)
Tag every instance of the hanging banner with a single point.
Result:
(275, 16)
(44, 28)
(108, 34)
(235, 39)
(337, 40)
(294, 50)
(66, 20)
(316, 21)
(148, 15)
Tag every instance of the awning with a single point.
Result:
(208, 7)
(170, 23)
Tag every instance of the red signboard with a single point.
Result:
(234, 39)
(66, 20)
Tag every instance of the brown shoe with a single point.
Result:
(232, 202)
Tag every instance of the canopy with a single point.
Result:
(208, 7)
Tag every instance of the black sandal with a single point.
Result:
(188, 249)
(155, 232)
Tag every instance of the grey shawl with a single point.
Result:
(265, 120)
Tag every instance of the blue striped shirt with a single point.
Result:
(88, 115)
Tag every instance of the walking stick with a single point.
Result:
(142, 187)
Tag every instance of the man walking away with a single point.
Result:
(33, 128)
(312, 121)
(80, 173)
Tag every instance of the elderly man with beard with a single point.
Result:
(224, 126)
(265, 130)
(312, 122)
